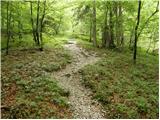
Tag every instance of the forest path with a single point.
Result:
(80, 98)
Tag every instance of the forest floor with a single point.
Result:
(27, 73)
(124, 89)
(73, 79)
(27, 89)
(80, 98)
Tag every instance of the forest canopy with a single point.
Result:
(115, 21)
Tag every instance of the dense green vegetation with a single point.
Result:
(123, 34)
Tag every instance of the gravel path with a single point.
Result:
(80, 98)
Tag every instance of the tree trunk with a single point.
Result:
(94, 24)
(41, 30)
(90, 38)
(111, 40)
(8, 26)
(136, 29)
(19, 23)
(105, 29)
(37, 24)
(33, 29)
(121, 37)
(117, 23)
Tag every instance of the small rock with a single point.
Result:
(68, 75)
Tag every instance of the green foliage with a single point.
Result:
(60, 101)
(58, 41)
(142, 104)
(51, 67)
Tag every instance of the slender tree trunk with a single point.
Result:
(33, 29)
(8, 25)
(19, 23)
(37, 24)
(121, 37)
(90, 38)
(8, 34)
(41, 30)
(117, 23)
(111, 41)
(94, 24)
(136, 29)
(105, 29)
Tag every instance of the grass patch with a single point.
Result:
(125, 90)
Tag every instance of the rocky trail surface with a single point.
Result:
(80, 97)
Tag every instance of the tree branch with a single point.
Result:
(148, 19)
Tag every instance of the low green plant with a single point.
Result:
(124, 89)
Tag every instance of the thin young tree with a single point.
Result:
(90, 35)
(111, 28)
(42, 25)
(105, 29)
(8, 25)
(136, 31)
(19, 22)
(33, 28)
(94, 24)
(37, 23)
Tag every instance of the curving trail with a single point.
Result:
(80, 98)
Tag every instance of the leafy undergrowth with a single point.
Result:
(125, 90)
(27, 42)
(28, 91)
(55, 41)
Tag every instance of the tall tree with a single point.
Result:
(121, 31)
(32, 21)
(94, 24)
(42, 24)
(136, 30)
(111, 28)
(37, 23)
(19, 21)
(8, 25)
(105, 34)
(90, 35)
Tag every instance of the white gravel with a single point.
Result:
(80, 98)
